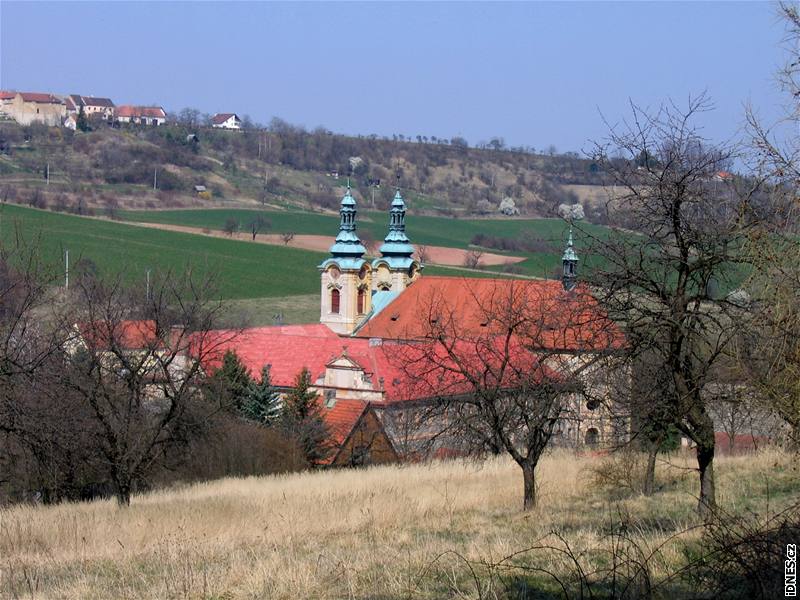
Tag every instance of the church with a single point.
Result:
(371, 309)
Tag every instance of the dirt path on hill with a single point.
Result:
(436, 255)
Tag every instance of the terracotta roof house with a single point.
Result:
(140, 115)
(102, 107)
(226, 121)
(34, 107)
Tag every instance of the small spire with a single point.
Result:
(348, 184)
(569, 263)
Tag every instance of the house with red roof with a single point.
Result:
(226, 121)
(33, 107)
(140, 115)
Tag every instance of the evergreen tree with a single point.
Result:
(302, 418)
(231, 383)
(82, 124)
(262, 403)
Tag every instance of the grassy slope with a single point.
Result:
(385, 532)
(242, 269)
(423, 230)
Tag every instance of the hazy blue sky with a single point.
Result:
(533, 73)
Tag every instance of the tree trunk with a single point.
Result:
(705, 463)
(650, 473)
(123, 495)
(529, 486)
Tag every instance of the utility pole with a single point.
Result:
(155, 179)
(147, 293)
(47, 176)
(66, 270)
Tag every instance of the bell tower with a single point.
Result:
(396, 269)
(569, 264)
(346, 278)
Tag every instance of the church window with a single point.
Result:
(592, 437)
(361, 301)
(335, 301)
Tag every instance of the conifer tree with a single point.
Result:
(231, 382)
(302, 418)
(81, 123)
(262, 404)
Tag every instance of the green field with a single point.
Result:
(423, 230)
(241, 269)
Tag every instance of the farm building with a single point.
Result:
(92, 107)
(33, 107)
(140, 115)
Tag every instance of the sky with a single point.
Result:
(534, 74)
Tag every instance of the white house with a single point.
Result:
(226, 121)
(141, 115)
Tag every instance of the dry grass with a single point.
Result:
(383, 532)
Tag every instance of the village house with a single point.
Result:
(33, 107)
(102, 108)
(140, 115)
(226, 121)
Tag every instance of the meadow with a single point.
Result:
(240, 269)
(445, 529)
(423, 230)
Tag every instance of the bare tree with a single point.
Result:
(287, 236)
(472, 258)
(259, 224)
(231, 226)
(137, 366)
(423, 254)
(669, 283)
(770, 352)
(502, 373)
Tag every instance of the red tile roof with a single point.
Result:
(220, 118)
(342, 418)
(127, 335)
(141, 111)
(464, 308)
(40, 98)
(7, 95)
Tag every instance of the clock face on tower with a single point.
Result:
(334, 273)
(362, 273)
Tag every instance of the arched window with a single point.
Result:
(361, 301)
(592, 437)
(335, 301)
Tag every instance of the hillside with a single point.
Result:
(281, 166)
(451, 529)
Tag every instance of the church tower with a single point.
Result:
(569, 264)
(346, 277)
(396, 269)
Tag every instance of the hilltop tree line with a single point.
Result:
(450, 175)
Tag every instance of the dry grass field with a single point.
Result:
(418, 531)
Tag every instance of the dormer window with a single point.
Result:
(330, 398)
